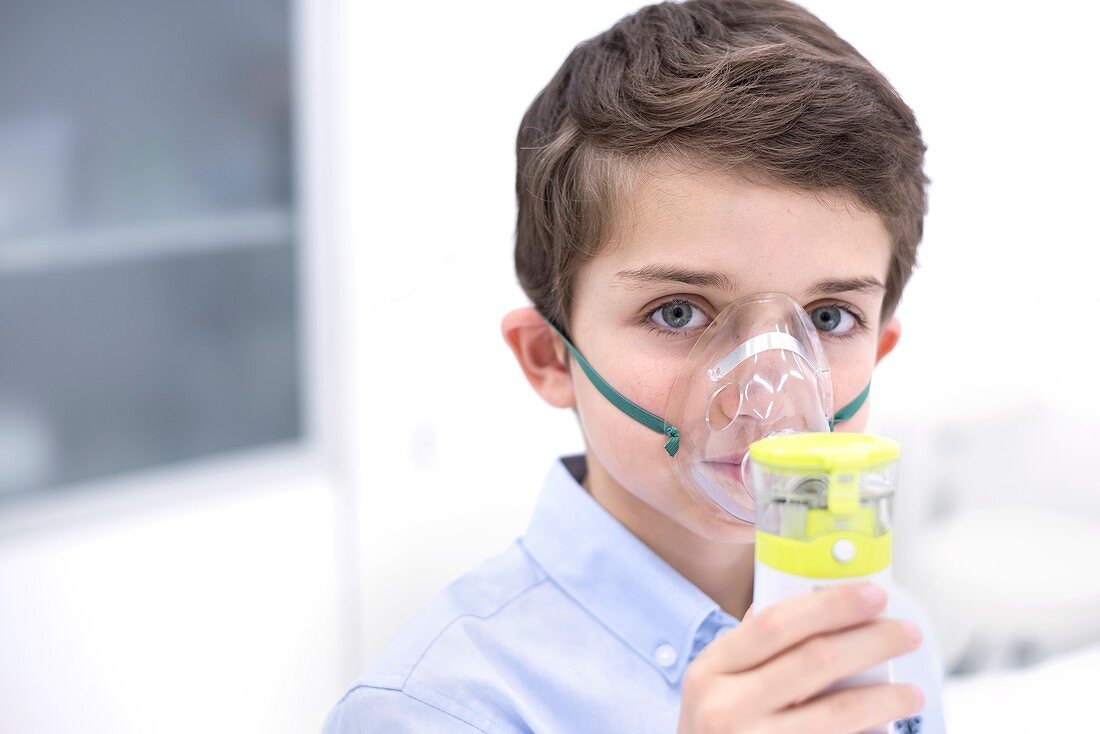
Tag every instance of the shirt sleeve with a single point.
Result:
(368, 710)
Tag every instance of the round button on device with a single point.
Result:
(844, 550)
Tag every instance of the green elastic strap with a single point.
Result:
(638, 413)
(850, 409)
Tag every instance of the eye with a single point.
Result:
(835, 320)
(678, 316)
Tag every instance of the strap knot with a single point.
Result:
(672, 445)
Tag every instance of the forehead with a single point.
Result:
(763, 236)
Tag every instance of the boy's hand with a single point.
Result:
(760, 676)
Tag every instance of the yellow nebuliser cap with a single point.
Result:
(825, 453)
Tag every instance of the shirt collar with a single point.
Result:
(606, 569)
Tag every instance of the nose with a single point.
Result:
(764, 399)
(762, 396)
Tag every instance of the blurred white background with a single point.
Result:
(240, 585)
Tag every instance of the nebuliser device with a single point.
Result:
(824, 515)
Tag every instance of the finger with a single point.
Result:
(809, 668)
(851, 710)
(787, 623)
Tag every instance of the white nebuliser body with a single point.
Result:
(771, 585)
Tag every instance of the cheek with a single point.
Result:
(851, 371)
(631, 453)
(634, 456)
(606, 425)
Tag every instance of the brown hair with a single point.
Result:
(758, 86)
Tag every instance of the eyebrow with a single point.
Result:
(667, 274)
(846, 285)
(657, 274)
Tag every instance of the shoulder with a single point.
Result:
(368, 710)
(447, 668)
(480, 595)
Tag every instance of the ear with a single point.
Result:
(541, 355)
(888, 338)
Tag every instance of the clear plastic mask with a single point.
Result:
(758, 370)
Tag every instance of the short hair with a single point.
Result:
(755, 86)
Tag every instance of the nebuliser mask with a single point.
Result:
(758, 370)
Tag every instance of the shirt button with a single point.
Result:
(665, 655)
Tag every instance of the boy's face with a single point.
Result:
(758, 238)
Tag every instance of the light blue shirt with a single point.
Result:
(576, 627)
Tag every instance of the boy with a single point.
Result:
(691, 155)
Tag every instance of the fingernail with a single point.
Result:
(914, 633)
(872, 594)
(918, 696)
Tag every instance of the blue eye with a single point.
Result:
(835, 320)
(678, 316)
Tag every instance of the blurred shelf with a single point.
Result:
(93, 246)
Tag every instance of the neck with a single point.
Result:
(722, 571)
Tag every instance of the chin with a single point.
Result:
(718, 527)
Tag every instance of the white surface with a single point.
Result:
(1056, 696)
(217, 613)
(1006, 583)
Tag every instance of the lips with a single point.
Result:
(728, 469)
(730, 459)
